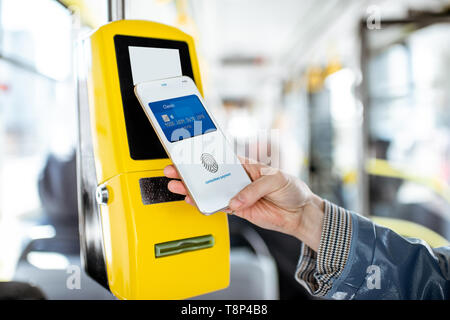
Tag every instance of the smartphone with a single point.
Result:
(192, 138)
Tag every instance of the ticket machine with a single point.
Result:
(138, 240)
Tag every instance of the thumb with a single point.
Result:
(255, 191)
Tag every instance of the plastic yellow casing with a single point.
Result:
(130, 228)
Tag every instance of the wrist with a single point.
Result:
(318, 202)
(309, 229)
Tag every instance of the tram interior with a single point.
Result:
(353, 97)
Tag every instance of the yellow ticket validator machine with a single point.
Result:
(138, 240)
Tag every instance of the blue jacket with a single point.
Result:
(374, 263)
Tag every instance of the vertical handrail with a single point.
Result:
(116, 10)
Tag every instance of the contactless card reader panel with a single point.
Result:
(138, 240)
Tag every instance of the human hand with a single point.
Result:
(274, 200)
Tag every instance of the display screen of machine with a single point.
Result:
(182, 118)
(154, 63)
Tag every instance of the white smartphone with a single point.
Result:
(194, 142)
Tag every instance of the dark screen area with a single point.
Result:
(143, 142)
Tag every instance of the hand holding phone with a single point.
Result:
(193, 140)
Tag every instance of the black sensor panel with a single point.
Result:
(154, 190)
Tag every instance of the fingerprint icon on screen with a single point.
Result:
(209, 163)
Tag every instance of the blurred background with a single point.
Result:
(353, 94)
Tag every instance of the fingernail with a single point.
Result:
(235, 204)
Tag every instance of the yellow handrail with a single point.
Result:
(380, 167)
(86, 11)
(412, 230)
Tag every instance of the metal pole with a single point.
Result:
(1, 122)
(116, 10)
(363, 181)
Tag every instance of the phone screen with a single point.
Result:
(182, 118)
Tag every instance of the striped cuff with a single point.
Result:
(317, 271)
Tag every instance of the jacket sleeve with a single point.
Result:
(358, 259)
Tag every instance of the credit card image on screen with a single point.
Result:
(181, 118)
